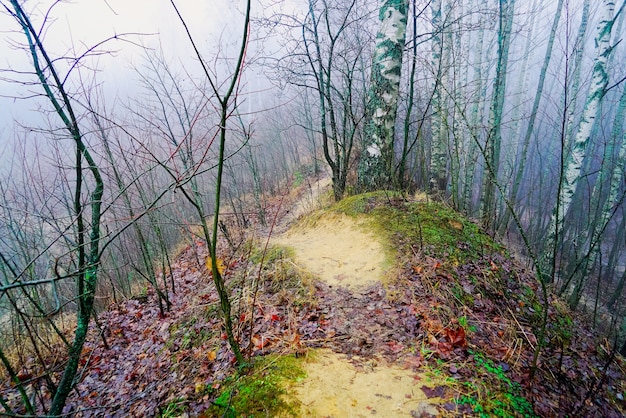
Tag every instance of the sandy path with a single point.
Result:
(338, 250)
(342, 252)
(334, 387)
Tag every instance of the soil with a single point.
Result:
(338, 250)
(336, 387)
(349, 261)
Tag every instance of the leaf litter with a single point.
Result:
(471, 324)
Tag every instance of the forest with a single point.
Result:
(137, 163)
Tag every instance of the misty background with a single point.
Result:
(300, 107)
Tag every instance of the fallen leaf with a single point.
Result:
(436, 392)
(395, 347)
(260, 342)
(456, 337)
(220, 265)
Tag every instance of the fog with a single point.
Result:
(529, 143)
(75, 27)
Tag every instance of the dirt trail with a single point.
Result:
(350, 262)
(312, 198)
(337, 250)
(336, 387)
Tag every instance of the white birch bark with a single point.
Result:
(615, 180)
(573, 164)
(376, 164)
(577, 66)
(494, 138)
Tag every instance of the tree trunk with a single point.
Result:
(531, 121)
(573, 164)
(492, 146)
(376, 164)
(476, 117)
(579, 47)
(437, 181)
(615, 180)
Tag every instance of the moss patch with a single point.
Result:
(261, 391)
(429, 227)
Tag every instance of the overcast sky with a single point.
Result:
(80, 24)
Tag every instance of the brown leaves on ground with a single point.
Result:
(155, 361)
(499, 303)
(454, 338)
(181, 359)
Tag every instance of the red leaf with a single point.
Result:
(456, 337)
(395, 347)
(24, 375)
(444, 349)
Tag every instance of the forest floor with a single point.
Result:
(378, 305)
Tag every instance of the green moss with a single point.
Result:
(174, 408)
(261, 391)
(461, 296)
(363, 203)
(495, 395)
(298, 179)
(430, 227)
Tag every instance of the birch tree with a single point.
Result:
(440, 60)
(533, 116)
(615, 180)
(494, 137)
(376, 164)
(576, 69)
(571, 170)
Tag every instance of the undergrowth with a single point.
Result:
(261, 391)
(496, 395)
(280, 275)
(428, 227)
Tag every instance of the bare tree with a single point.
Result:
(225, 101)
(87, 231)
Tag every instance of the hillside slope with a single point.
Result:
(449, 314)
